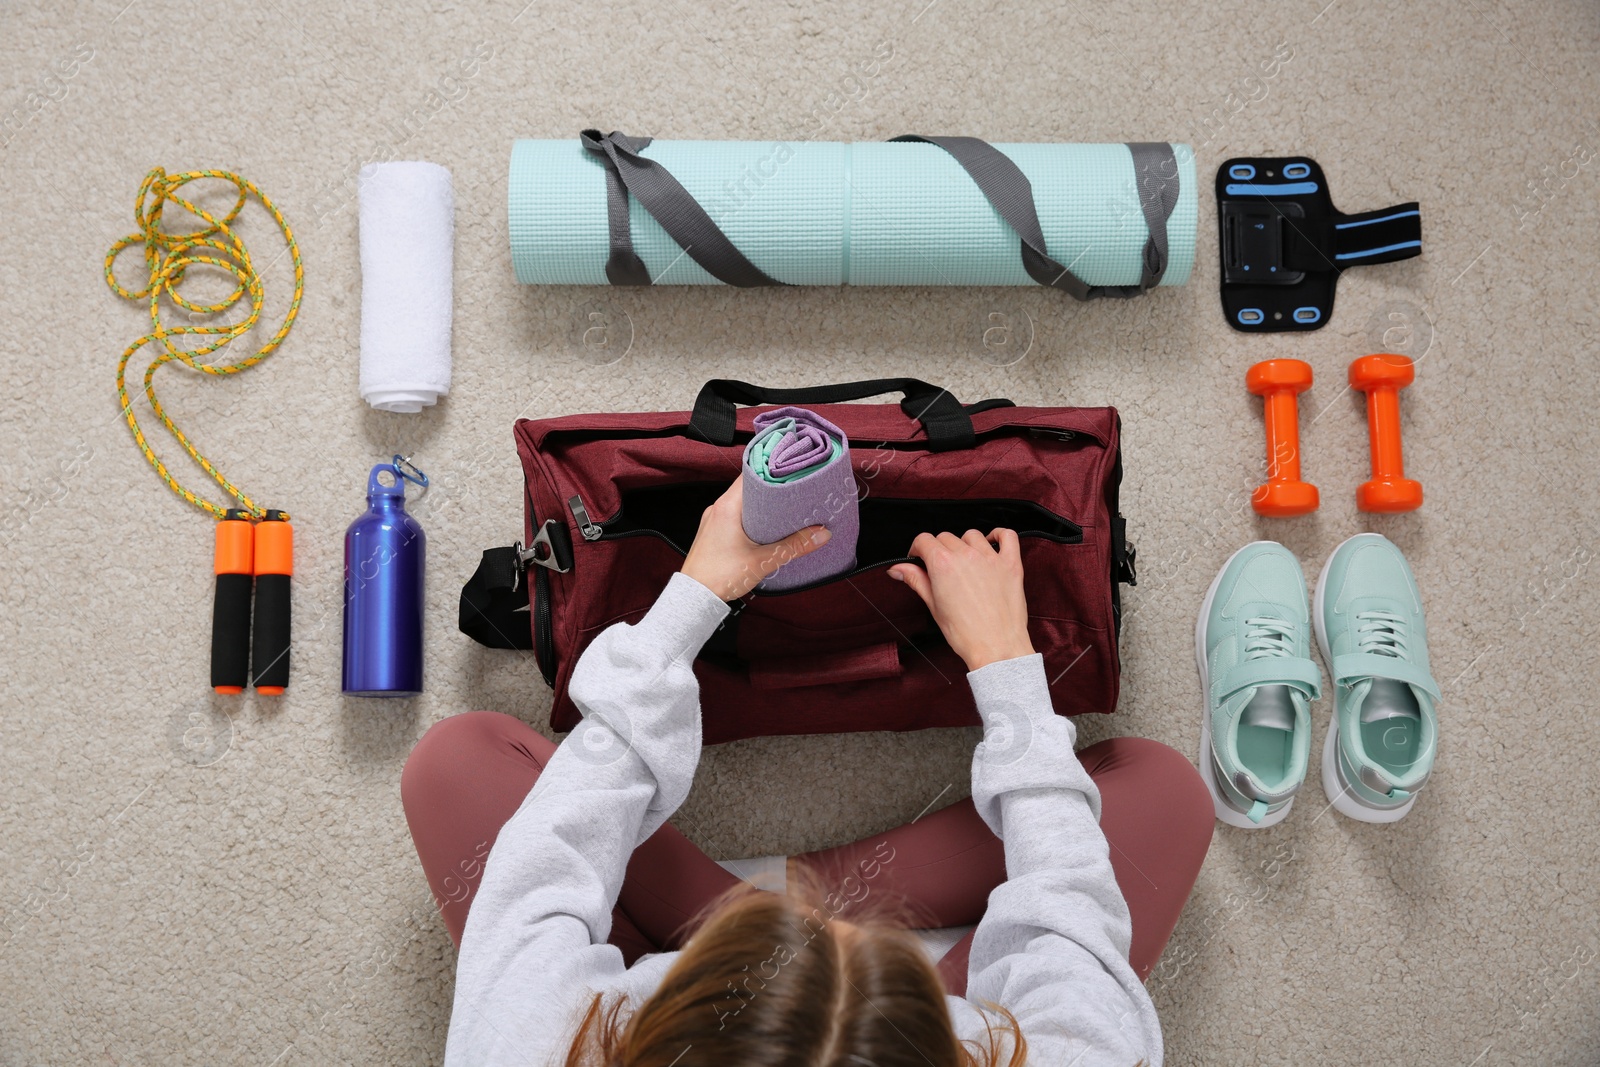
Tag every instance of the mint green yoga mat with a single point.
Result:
(828, 213)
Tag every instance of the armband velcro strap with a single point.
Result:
(1342, 241)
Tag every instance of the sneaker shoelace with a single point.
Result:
(1382, 633)
(1264, 638)
(1268, 637)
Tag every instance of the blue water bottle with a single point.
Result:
(383, 567)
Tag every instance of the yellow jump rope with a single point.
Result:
(254, 550)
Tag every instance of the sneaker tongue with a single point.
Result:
(1381, 699)
(1270, 706)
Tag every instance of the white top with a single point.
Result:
(1052, 946)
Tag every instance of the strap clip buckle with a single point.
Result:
(541, 551)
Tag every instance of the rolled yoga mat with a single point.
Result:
(869, 213)
(797, 474)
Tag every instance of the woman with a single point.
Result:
(586, 925)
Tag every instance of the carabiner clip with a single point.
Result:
(409, 471)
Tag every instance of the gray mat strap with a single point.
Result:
(1010, 192)
(623, 267)
(658, 192)
(1155, 166)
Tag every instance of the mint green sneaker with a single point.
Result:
(1373, 637)
(1253, 644)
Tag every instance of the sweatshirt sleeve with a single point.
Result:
(534, 950)
(1053, 945)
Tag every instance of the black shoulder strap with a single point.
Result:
(494, 606)
(946, 421)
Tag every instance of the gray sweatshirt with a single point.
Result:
(1052, 946)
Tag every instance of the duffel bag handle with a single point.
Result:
(947, 423)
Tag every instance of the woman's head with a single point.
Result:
(775, 980)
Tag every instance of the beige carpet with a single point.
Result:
(190, 880)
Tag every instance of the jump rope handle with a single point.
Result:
(256, 557)
(274, 563)
(234, 564)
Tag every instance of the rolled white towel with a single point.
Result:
(407, 278)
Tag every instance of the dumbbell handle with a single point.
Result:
(1383, 432)
(1279, 383)
(1381, 377)
(1281, 413)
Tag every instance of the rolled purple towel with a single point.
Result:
(797, 474)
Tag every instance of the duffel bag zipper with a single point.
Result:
(543, 630)
(543, 638)
(594, 531)
(590, 531)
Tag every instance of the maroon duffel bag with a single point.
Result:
(613, 502)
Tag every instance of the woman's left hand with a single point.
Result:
(727, 562)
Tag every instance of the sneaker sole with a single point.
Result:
(1339, 793)
(1226, 812)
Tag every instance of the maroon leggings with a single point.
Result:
(470, 773)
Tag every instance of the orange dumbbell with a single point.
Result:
(1278, 382)
(1382, 377)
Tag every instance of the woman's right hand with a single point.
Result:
(727, 562)
(974, 590)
